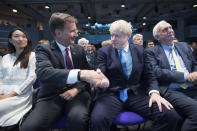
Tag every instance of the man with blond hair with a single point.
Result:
(123, 64)
(176, 72)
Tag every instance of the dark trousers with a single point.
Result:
(48, 112)
(10, 128)
(108, 106)
(185, 105)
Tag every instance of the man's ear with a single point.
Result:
(57, 33)
(129, 35)
(157, 37)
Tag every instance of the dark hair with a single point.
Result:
(58, 20)
(24, 56)
(190, 43)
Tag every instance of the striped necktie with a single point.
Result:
(178, 66)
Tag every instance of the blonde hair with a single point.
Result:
(105, 43)
(43, 42)
(122, 26)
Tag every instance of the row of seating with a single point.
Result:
(125, 118)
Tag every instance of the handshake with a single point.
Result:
(97, 78)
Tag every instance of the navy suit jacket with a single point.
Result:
(110, 64)
(156, 60)
(50, 68)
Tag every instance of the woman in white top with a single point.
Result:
(17, 75)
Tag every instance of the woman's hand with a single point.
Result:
(4, 96)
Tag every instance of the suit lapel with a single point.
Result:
(162, 57)
(74, 56)
(181, 53)
(56, 50)
(134, 57)
(117, 62)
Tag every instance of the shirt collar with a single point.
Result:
(62, 48)
(126, 49)
(167, 47)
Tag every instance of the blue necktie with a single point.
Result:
(123, 93)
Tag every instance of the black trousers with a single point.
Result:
(48, 112)
(109, 105)
(185, 103)
(10, 128)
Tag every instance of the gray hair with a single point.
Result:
(156, 30)
(136, 35)
(83, 40)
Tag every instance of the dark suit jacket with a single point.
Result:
(50, 68)
(156, 60)
(110, 64)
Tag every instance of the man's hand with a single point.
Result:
(104, 81)
(97, 78)
(4, 96)
(192, 77)
(155, 97)
(69, 94)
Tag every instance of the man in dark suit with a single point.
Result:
(123, 65)
(175, 69)
(61, 68)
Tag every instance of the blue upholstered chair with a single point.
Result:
(128, 118)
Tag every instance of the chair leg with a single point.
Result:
(141, 126)
(113, 128)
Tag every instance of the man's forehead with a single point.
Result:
(70, 24)
(116, 31)
(163, 25)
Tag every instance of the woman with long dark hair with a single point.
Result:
(17, 75)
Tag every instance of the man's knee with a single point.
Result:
(29, 127)
(170, 115)
(78, 117)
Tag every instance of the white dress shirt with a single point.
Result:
(72, 76)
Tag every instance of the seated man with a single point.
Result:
(138, 39)
(149, 44)
(64, 88)
(123, 65)
(175, 70)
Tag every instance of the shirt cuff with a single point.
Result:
(72, 76)
(185, 76)
(152, 91)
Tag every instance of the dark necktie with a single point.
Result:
(68, 60)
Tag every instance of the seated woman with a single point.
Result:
(17, 75)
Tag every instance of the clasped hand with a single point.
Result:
(4, 96)
(96, 78)
(192, 77)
